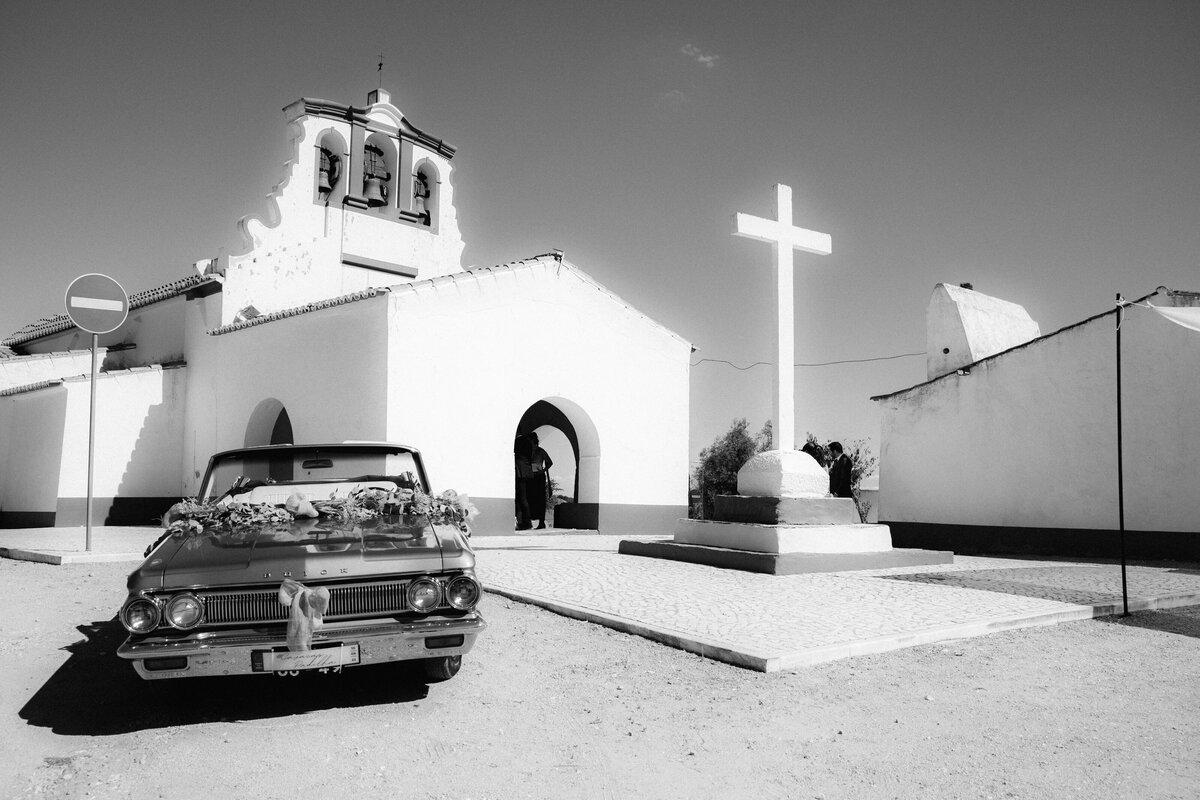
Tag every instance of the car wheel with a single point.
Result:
(441, 669)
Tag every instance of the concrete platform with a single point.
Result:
(788, 563)
(752, 620)
(777, 539)
(783, 622)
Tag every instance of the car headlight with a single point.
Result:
(424, 595)
(462, 592)
(140, 615)
(184, 611)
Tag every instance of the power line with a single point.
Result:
(815, 364)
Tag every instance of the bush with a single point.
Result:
(555, 495)
(719, 464)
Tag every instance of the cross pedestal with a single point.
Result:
(783, 471)
(782, 520)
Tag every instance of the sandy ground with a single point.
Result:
(548, 707)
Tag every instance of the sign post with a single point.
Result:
(97, 304)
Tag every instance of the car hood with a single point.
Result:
(316, 550)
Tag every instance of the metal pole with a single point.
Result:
(1121, 465)
(91, 440)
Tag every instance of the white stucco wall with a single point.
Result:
(963, 326)
(31, 435)
(24, 370)
(328, 368)
(155, 329)
(139, 417)
(1028, 438)
(470, 355)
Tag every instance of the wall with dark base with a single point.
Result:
(71, 512)
(497, 517)
(1063, 542)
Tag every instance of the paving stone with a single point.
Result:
(776, 621)
(765, 622)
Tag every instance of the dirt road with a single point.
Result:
(547, 707)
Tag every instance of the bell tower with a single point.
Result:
(366, 200)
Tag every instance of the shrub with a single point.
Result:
(719, 464)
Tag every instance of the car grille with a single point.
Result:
(382, 598)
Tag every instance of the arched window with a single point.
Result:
(425, 193)
(331, 168)
(328, 172)
(375, 176)
(379, 168)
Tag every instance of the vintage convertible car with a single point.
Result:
(306, 557)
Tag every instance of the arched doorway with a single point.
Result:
(269, 423)
(566, 432)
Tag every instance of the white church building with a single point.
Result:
(350, 317)
(1011, 445)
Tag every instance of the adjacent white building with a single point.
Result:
(349, 316)
(1011, 444)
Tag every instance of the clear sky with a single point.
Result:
(1047, 152)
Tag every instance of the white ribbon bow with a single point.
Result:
(308, 608)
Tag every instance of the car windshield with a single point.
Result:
(318, 472)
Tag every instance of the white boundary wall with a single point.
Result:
(1029, 438)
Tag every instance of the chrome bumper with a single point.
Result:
(232, 652)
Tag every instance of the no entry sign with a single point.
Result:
(97, 303)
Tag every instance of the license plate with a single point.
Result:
(287, 661)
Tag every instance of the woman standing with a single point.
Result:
(538, 484)
(522, 470)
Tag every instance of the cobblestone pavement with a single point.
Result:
(771, 622)
(764, 622)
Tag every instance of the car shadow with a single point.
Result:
(96, 693)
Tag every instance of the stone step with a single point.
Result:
(786, 510)
(783, 563)
(858, 538)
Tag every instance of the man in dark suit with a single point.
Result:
(839, 472)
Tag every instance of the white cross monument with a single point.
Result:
(786, 237)
(782, 520)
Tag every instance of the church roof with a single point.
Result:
(550, 262)
(363, 116)
(61, 322)
(298, 310)
(30, 387)
(114, 373)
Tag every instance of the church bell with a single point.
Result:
(327, 173)
(375, 190)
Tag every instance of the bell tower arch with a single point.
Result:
(366, 200)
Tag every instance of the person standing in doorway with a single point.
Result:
(839, 472)
(522, 470)
(538, 485)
